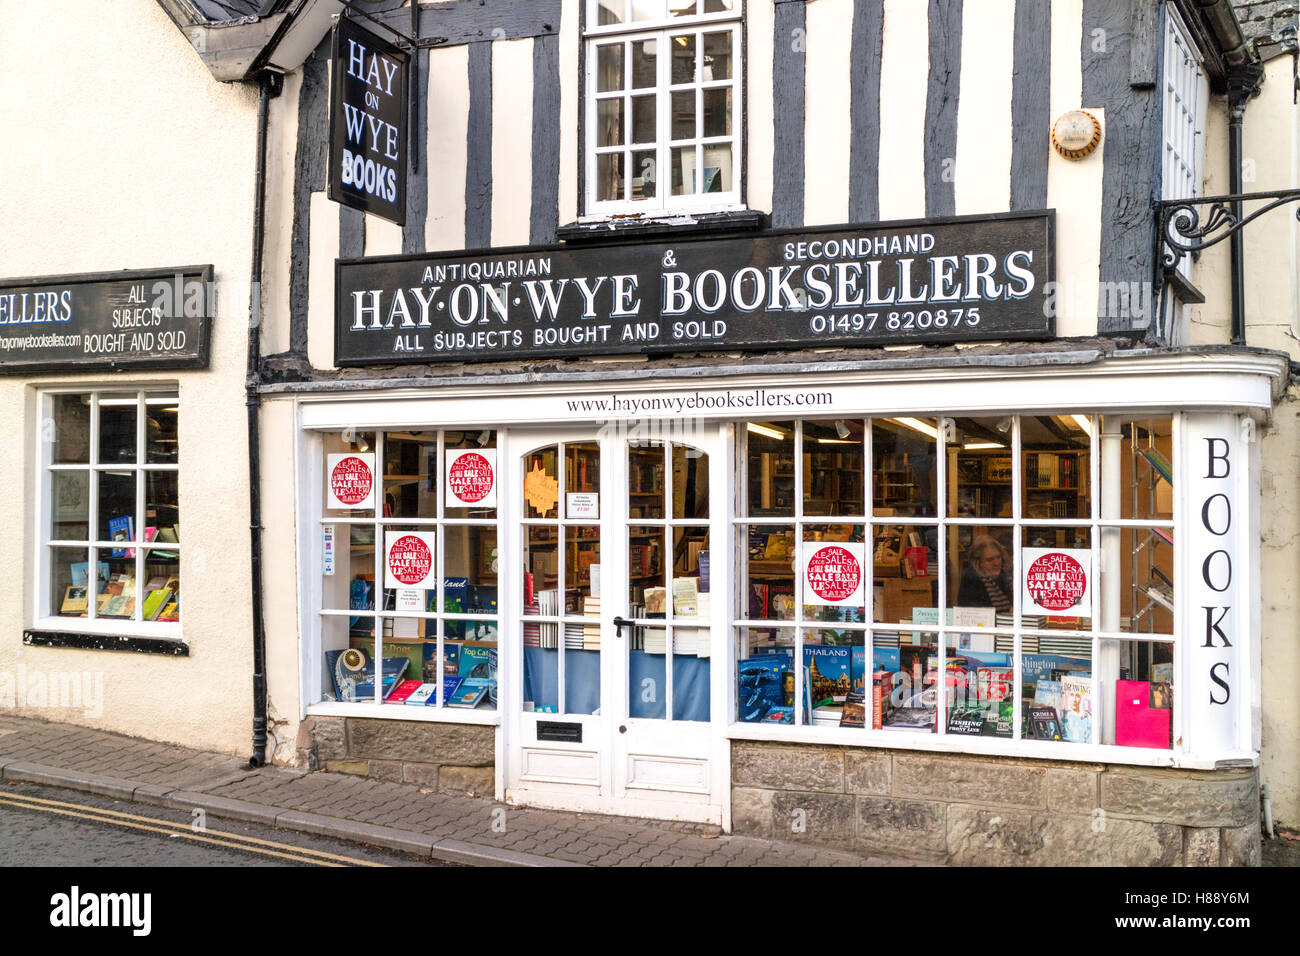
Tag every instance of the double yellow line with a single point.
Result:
(153, 825)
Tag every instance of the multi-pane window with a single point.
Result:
(1185, 91)
(966, 576)
(111, 519)
(409, 568)
(663, 101)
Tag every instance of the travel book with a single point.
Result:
(122, 528)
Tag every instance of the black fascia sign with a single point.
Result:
(368, 123)
(145, 319)
(966, 279)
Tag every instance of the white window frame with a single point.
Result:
(45, 617)
(664, 204)
(1186, 96)
(1179, 754)
(313, 691)
(1129, 386)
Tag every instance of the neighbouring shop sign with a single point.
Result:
(965, 279)
(154, 319)
(368, 123)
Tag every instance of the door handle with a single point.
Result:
(622, 622)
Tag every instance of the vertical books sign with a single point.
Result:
(368, 123)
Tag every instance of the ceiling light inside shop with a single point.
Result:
(1083, 422)
(835, 441)
(841, 429)
(765, 431)
(981, 445)
(917, 425)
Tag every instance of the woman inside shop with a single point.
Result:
(986, 579)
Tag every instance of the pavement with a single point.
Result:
(467, 830)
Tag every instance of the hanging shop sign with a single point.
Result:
(472, 478)
(965, 279)
(351, 480)
(1057, 581)
(152, 319)
(368, 123)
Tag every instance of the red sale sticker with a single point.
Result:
(351, 481)
(471, 478)
(1056, 581)
(833, 573)
(408, 559)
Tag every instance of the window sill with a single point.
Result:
(684, 222)
(1030, 749)
(80, 640)
(442, 715)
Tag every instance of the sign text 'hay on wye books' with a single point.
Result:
(966, 279)
(368, 123)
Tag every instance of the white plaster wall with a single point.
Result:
(760, 22)
(123, 152)
(280, 573)
(1211, 321)
(983, 172)
(905, 65)
(512, 142)
(445, 152)
(827, 125)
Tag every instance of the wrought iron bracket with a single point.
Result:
(1181, 230)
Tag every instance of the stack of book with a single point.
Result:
(591, 626)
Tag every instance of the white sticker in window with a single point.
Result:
(408, 559)
(1057, 582)
(833, 574)
(583, 504)
(351, 481)
(472, 478)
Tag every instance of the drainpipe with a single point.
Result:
(270, 86)
(1243, 84)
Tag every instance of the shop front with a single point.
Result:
(643, 566)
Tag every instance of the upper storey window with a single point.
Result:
(663, 99)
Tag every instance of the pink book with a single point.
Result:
(1137, 723)
(402, 691)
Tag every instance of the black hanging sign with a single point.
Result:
(153, 319)
(368, 123)
(956, 280)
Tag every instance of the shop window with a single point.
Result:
(111, 524)
(663, 105)
(409, 577)
(972, 601)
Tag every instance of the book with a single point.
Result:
(469, 694)
(171, 612)
(830, 673)
(74, 600)
(1159, 462)
(402, 691)
(1078, 700)
(422, 695)
(855, 710)
(761, 680)
(122, 528)
(155, 602)
(79, 573)
(449, 684)
(966, 722)
(352, 673)
(1044, 724)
